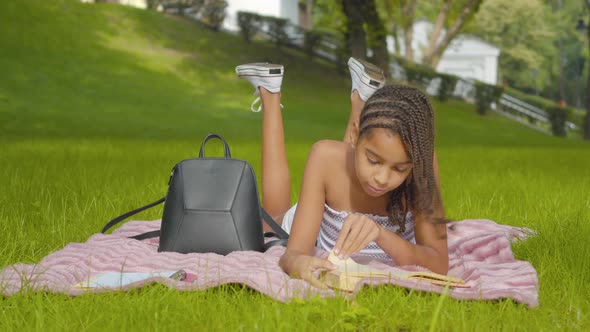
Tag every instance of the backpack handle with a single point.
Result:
(210, 136)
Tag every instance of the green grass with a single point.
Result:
(98, 102)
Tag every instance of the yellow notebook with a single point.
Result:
(349, 273)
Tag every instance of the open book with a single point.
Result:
(349, 273)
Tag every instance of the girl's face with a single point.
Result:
(381, 162)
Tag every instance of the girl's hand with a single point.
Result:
(357, 232)
(303, 266)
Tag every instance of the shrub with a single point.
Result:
(277, 29)
(152, 4)
(178, 7)
(558, 117)
(419, 74)
(576, 116)
(213, 13)
(333, 43)
(250, 24)
(311, 39)
(485, 95)
(447, 86)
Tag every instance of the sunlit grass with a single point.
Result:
(98, 102)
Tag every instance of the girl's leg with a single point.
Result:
(357, 105)
(276, 182)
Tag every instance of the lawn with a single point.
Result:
(98, 102)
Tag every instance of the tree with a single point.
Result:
(451, 15)
(525, 33)
(587, 117)
(354, 33)
(408, 10)
(437, 45)
(152, 4)
(306, 14)
(377, 36)
(328, 15)
(568, 59)
(400, 16)
(365, 28)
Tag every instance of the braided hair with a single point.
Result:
(407, 112)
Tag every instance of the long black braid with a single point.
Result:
(406, 111)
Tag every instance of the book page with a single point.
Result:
(349, 268)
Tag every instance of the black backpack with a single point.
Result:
(212, 205)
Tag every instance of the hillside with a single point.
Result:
(98, 102)
(94, 71)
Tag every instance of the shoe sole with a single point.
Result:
(260, 70)
(369, 74)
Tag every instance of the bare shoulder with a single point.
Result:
(330, 157)
(329, 150)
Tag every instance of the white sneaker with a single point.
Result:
(366, 77)
(266, 75)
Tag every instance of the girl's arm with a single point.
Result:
(430, 250)
(297, 260)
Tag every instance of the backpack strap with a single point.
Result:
(279, 242)
(146, 235)
(129, 214)
(280, 232)
(227, 153)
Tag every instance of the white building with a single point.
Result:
(288, 9)
(466, 56)
(279, 8)
(135, 3)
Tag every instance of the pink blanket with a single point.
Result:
(479, 252)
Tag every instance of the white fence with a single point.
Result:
(329, 47)
(508, 106)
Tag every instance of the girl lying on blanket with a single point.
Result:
(374, 193)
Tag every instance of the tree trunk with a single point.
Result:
(438, 27)
(152, 4)
(562, 59)
(305, 14)
(355, 33)
(309, 13)
(587, 117)
(408, 12)
(392, 25)
(561, 81)
(432, 56)
(377, 36)
(395, 36)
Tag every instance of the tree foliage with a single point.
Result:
(452, 14)
(399, 18)
(448, 16)
(524, 32)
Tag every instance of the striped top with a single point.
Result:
(332, 224)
